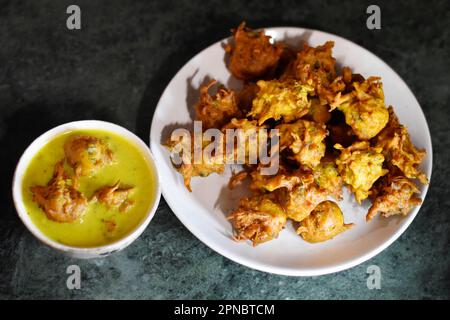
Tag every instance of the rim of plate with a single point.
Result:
(287, 271)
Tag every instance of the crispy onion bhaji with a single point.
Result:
(317, 67)
(215, 111)
(399, 150)
(302, 199)
(60, 200)
(284, 178)
(360, 165)
(395, 195)
(327, 177)
(253, 56)
(325, 222)
(258, 219)
(364, 108)
(280, 99)
(114, 196)
(305, 139)
(250, 134)
(87, 154)
(188, 168)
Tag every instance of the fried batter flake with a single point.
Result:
(394, 197)
(327, 177)
(305, 139)
(280, 99)
(399, 150)
(302, 199)
(325, 222)
(360, 165)
(210, 163)
(253, 56)
(215, 111)
(60, 200)
(258, 219)
(364, 108)
(316, 66)
(284, 178)
(87, 154)
(114, 196)
(250, 135)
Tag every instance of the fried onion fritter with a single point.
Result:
(327, 177)
(188, 168)
(60, 200)
(364, 108)
(284, 178)
(316, 66)
(325, 222)
(258, 219)
(253, 56)
(280, 99)
(302, 199)
(114, 196)
(87, 154)
(395, 196)
(360, 165)
(250, 138)
(216, 111)
(305, 139)
(399, 150)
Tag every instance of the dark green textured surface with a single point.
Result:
(116, 68)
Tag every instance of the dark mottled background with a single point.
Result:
(116, 68)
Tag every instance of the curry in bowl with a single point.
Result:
(88, 188)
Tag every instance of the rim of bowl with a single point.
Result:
(40, 142)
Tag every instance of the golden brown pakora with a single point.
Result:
(305, 139)
(253, 56)
(243, 142)
(302, 199)
(395, 195)
(258, 219)
(284, 178)
(316, 66)
(399, 150)
(215, 111)
(114, 196)
(186, 163)
(364, 108)
(280, 99)
(87, 154)
(325, 222)
(360, 165)
(327, 177)
(60, 200)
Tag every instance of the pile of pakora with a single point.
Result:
(334, 130)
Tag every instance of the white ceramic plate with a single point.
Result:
(204, 210)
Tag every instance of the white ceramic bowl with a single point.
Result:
(204, 210)
(78, 252)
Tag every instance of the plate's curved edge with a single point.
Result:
(290, 271)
